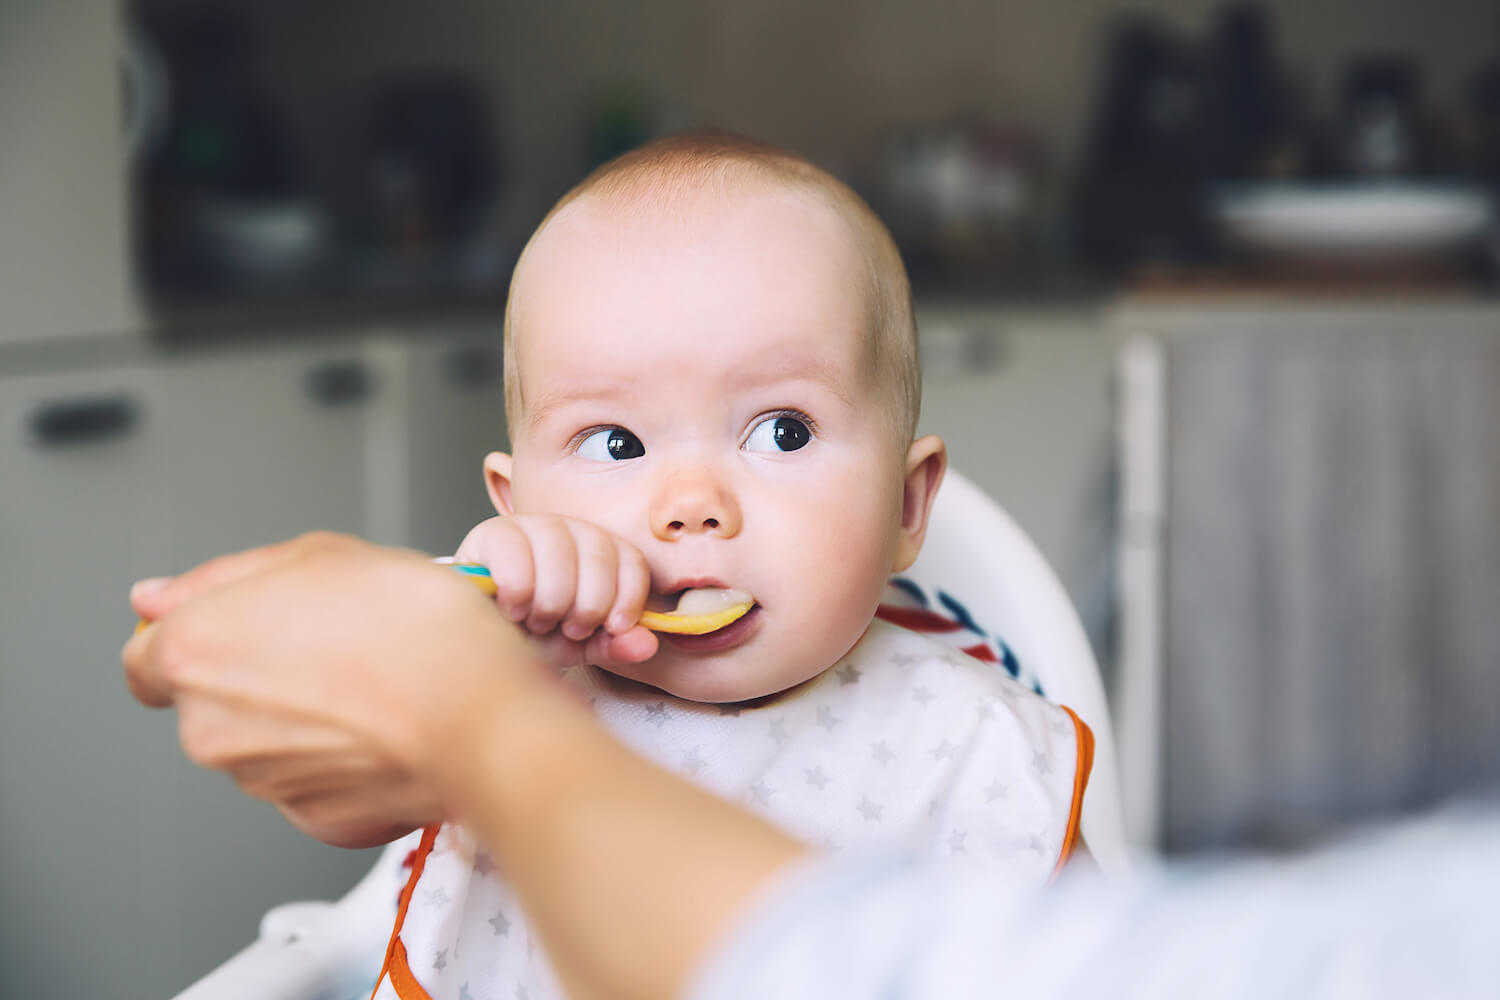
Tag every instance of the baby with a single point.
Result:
(712, 391)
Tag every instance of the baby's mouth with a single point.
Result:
(696, 610)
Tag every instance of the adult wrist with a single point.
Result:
(512, 752)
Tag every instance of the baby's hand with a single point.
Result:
(574, 586)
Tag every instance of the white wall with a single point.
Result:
(63, 228)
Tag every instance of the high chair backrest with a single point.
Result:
(989, 570)
(982, 568)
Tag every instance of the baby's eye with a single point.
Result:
(781, 433)
(611, 444)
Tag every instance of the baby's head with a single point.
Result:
(710, 352)
(706, 174)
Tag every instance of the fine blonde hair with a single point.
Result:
(659, 174)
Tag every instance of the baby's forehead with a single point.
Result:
(600, 232)
(768, 250)
(645, 212)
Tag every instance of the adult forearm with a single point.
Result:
(361, 688)
(630, 874)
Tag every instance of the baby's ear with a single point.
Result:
(497, 481)
(926, 461)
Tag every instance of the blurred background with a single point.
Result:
(1208, 300)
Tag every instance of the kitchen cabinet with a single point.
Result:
(127, 871)
(257, 444)
(1310, 564)
(83, 776)
(262, 443)
(453, 415)
(64, 245)
(1022, 396)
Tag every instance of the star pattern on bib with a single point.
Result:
(1041, 763)
(500, 922)
(762, 792)
(948, 756)
(944, 751)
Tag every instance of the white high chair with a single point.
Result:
(974, 553)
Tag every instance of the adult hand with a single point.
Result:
(325, 673)
(366, 690)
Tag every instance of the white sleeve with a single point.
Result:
(1409, 912)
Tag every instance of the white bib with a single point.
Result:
(905, 743)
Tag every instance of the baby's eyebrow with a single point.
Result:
(781, 372)
(799, 369)
(544, 404)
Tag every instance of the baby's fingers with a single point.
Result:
(555, 558)
(632, 588)
(502, 547)
(606, 649)
(597, 581)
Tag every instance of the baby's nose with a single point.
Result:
(691, 502)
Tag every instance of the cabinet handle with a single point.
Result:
(83, 421)
(339, 383)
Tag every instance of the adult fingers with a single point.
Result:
(143, 669)
(153, 598)
(153, 659)
(151, 655)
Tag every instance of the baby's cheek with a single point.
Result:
(836, 606)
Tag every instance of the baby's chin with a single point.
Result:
(707, 682)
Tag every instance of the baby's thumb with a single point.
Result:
(635, 646)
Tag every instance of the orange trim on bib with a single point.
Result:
(402, 981)
(1080, 782)
(395, 967)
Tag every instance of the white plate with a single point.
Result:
(1376, 220)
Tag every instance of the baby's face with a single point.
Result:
(702, 387)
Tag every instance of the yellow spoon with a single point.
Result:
(734, 606)
(698, 612)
